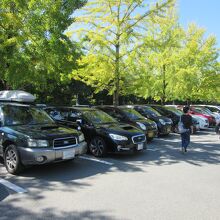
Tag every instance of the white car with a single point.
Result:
(203, 122)
(214, 114)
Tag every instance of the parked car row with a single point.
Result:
(33, 134)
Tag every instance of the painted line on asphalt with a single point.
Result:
(96, 160)
(12, 186)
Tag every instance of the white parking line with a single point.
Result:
(95, 160)
(12, 186)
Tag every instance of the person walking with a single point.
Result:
(186, 119)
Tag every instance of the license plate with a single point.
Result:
(140, 146)
(150, 134)
(68, 154)
(168, 130)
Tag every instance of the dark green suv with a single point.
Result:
(28, 136)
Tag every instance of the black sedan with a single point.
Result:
(127, 114)
(167, 113)
(164, 124)
(102, 132)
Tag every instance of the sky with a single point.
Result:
(205, 13)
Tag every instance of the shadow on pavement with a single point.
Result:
(3, 192)
(166, 151)
(12, 212)
(70, 176)
(65, 176)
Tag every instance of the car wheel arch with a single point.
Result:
(6, 144)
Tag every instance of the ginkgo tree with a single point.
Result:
(110, 30)
(175, 64)
(197, 75)
(152, 73)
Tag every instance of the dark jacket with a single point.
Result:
(187, 121)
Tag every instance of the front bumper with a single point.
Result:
(31, 156)
(132, 147)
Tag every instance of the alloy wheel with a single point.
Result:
(97, 147)
(11, 159)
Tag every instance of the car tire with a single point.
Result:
(150, 139)
(12, 160)
(97, 147)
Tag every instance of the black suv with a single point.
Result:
(28, 136)
(164, 124)
(127, 114)
(102, 132)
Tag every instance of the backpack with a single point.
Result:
(181, 128)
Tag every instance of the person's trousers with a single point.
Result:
(185, 139)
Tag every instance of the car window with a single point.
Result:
(212, 109)
(98, 117)
(132, 114)
(24, 115)
(174, 110)
(149, 110)
(115, 114)
(55, 114)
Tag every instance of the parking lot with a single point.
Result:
(160, 183)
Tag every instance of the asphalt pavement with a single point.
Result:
(160, 183)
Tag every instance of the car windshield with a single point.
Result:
(132, 114)
(199, 110)
(176, 111)
(98, 117)
(149, 110)
(206, 111)
(24, 115)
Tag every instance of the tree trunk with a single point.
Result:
(117, 75)
(163, 100)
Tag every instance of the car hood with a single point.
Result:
(156, 118)
(121, 129)
(47, 132)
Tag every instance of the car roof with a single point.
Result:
(2, 103)
(72, 107)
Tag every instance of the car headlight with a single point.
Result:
(37, 143)
(162, 121)
(81, 138)
(142, 126)
(118, 137)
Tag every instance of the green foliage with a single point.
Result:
(111, 30)
(175, 64)
(197, 75)
(33, 45)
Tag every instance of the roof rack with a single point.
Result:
(16, 96)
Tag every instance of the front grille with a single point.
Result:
(64, 142)
(139, 139)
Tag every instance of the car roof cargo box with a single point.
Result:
(16, 96)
